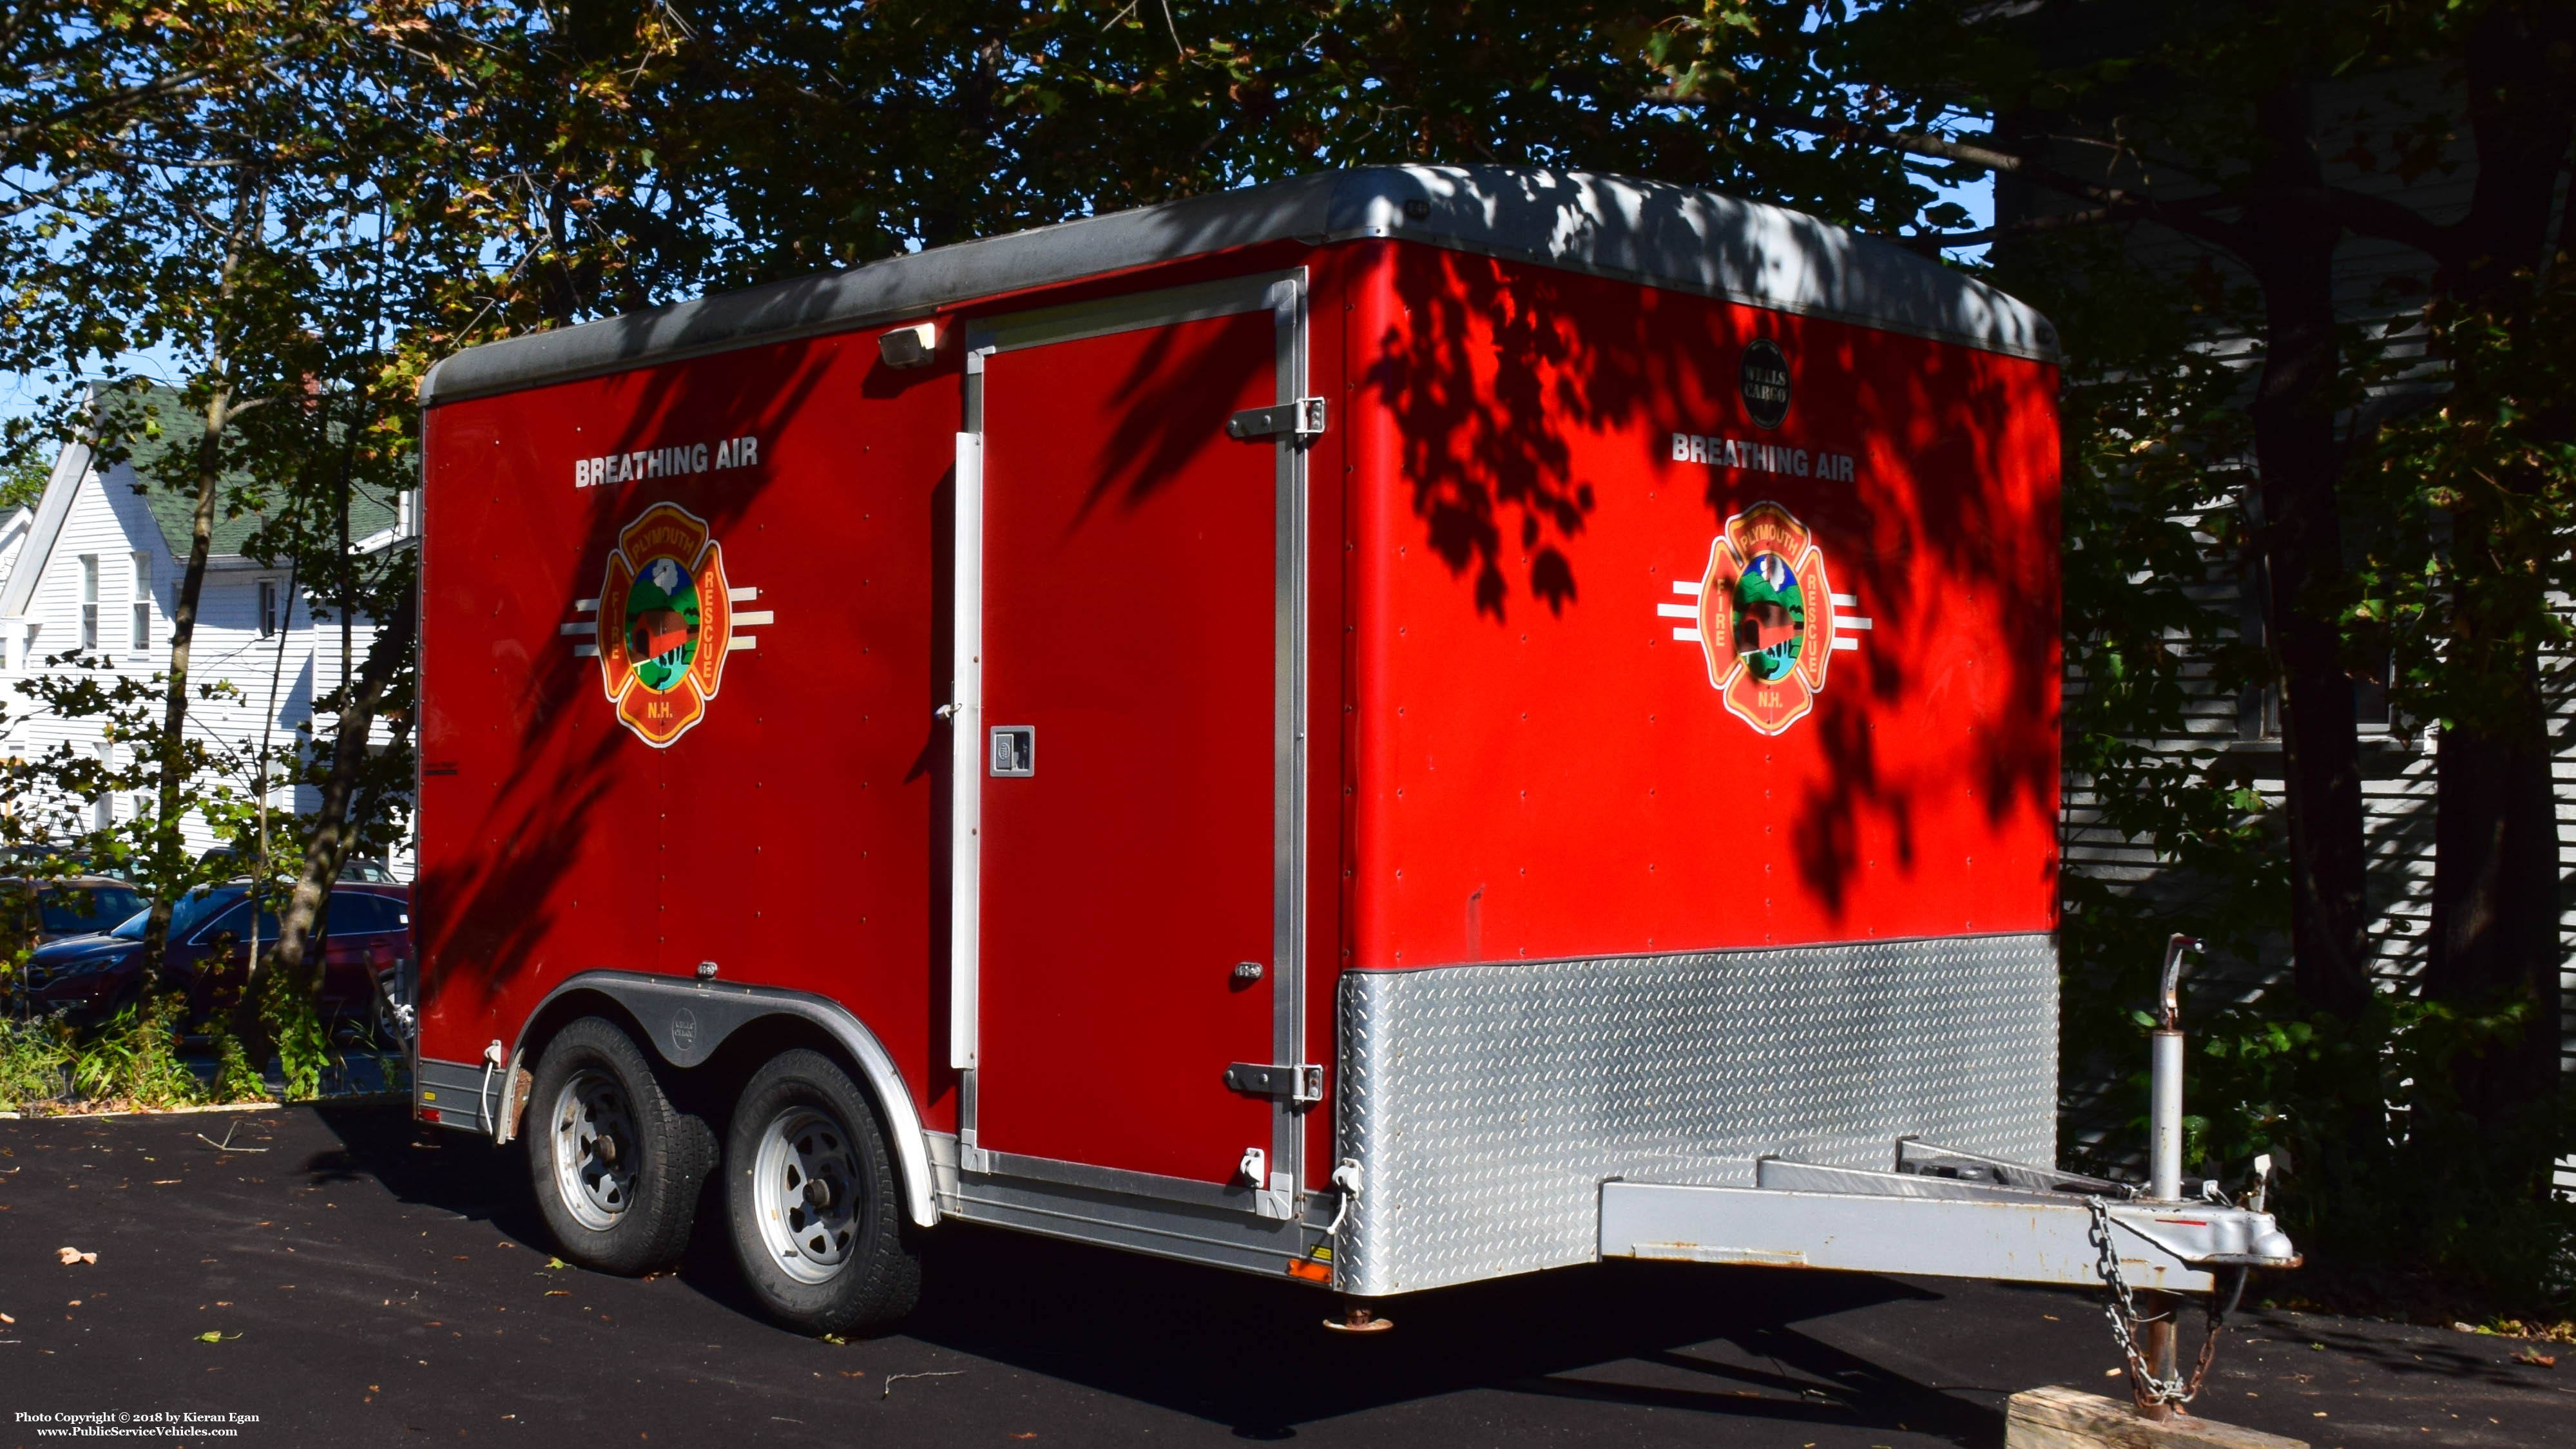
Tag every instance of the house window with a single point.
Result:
(2370, 712)
(89, 600)
(268, 622)
(140, 639)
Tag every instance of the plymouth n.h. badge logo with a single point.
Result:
(1764, 617)
(665, 620)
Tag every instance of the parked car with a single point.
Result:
(356, 870)
(88, 978)
(57, 859)
(37, 911)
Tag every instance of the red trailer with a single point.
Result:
(1394, 728)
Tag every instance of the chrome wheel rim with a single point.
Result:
(804, 1186)
(594, 1149)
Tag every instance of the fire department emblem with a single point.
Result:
(1766, 618)
(664, 622)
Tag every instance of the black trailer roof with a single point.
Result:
(1644, 231)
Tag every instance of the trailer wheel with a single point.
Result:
(816, 1213)
(617, 1168)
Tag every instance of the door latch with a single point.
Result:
(1015, 750)
(1302, 1085)
(1302, 419)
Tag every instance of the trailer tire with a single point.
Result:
(616, 1167)
(816, 1213)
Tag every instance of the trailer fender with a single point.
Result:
(687, 1020)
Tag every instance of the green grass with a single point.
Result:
(33, 1057)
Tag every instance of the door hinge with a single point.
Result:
(1302, 1085)
(1303, 418)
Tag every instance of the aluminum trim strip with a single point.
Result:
(1222, 1238)
(1225, 1196)
(1165, 307)
(1289, 297)
(965, 773)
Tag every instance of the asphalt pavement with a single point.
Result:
(317, 1276)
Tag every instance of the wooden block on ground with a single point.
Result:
(2055, 1418)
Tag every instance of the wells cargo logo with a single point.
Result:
(663, 623)
(1764, 617)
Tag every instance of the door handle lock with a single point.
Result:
(1014, 751)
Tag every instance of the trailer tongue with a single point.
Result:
(1909, 1221)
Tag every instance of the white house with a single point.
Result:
(96, 567)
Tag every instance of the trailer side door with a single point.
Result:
(1128, 770)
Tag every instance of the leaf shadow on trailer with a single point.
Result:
(486, 904)
(1148, 447)
(2013, 762)
(1485, 448)
(1499, 378)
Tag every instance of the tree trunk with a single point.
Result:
(2290, 244)
(168, 846)
(328, 846)
(2495, 899)
(2495, 869)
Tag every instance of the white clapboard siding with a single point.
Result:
(2398, 805)
(279, 675)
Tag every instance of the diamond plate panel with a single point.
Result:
(1487, 1103)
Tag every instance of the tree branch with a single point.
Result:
(169, 85)
(2057, 221)
(1940, 148)
(2355, 211)
(2377, 216)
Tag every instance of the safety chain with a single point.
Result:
(2122, 1310)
